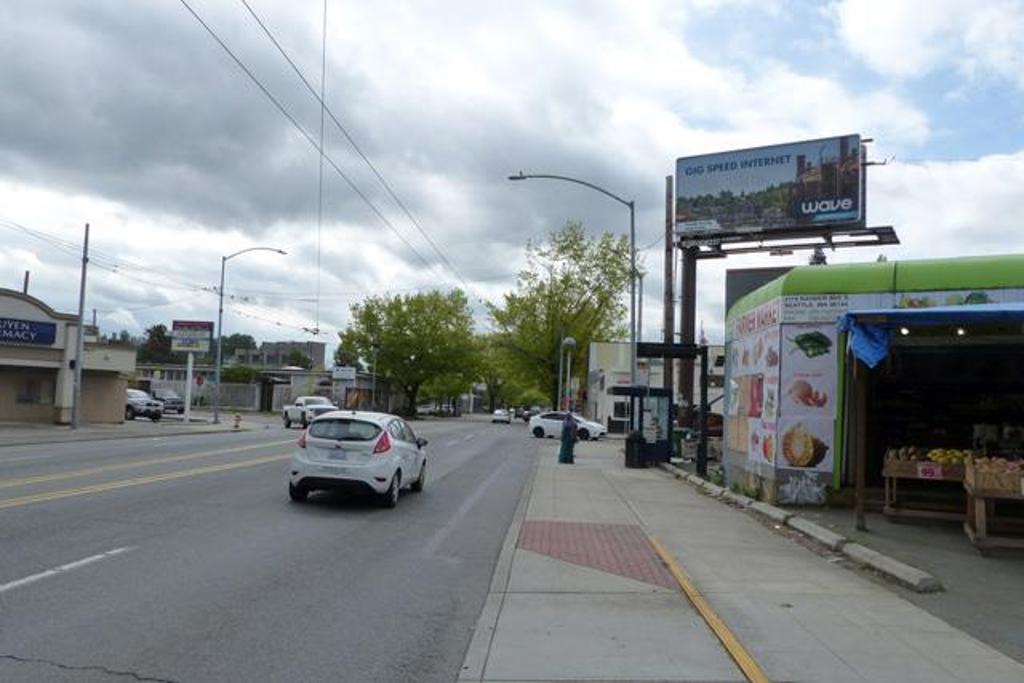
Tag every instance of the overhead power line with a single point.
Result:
(309, 138)
(344, 131)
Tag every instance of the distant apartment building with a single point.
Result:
(275, 354)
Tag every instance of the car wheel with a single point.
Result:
(155, 417)
(538, 432)
(583, 434)
(129, 414)
(304, 422)
(297, 493)
(389, 498)
(421, 480)
(287, 422)
(181, 411)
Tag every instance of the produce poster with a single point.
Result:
(807, 401)
(754, 360)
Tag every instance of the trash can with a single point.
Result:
(634, 450)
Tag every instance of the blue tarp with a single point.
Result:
(871, 330)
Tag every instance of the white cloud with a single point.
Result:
(910, 38)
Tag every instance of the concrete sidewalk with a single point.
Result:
(580, 594)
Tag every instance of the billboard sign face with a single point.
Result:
(343, 373)
(191, 336)
(790, 187)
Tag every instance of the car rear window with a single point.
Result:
(344, 430)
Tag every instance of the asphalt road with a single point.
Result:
(181, 559)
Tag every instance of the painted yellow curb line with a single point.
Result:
(57, 476)
(750, 668)
(138, 481)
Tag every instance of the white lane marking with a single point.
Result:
(451, 443)
(442, 534)
(62, 569)
(467, 437)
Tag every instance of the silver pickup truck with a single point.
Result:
(305, 409)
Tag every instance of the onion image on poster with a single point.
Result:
(805, 443)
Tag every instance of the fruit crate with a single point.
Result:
(923, 469)
(992, 484)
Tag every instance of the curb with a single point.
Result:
(904, 574)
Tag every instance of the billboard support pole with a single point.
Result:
(188, 387)
(668, 308)
(687, 321)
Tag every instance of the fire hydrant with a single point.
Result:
(238, 421)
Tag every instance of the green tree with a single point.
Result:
(238, 374)
(232, 343)
(572, 286)
(299, 359)
(156, 348)
(421, 338)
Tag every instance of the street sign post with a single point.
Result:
(191, 336)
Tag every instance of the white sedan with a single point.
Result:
(549, 424)
(502, 416)
(358, 452)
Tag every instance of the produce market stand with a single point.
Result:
(981, 510)
(894, 470)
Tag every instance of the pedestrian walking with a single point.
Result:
(565, 453)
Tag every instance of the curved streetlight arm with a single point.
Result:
(245, 251)
(567, 179)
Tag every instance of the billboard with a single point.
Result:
(191, 336)
(795, 186)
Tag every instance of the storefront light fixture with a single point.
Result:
(904, 331)
(960, 331)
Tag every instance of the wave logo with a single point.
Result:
(817, 206)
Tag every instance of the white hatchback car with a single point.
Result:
(358, 452)
(502, 416)
(550, 424)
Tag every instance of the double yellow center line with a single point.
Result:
(135, 481)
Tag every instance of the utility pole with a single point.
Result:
(687, 320)
(669, 333)
(76, 398)
(640, 309)
(24, 287)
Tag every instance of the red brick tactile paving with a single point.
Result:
(621, 549)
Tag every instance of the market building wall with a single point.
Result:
(806, 429)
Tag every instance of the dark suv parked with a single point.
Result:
(172, 402)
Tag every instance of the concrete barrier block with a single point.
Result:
(912, 577)
(826, 537)
(771, 512)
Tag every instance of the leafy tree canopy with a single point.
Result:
(572, 286)
(238, 374)
(419, 338)
(299, 359)
(156, 347)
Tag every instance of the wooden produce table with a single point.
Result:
(921, 470)
(981, 498)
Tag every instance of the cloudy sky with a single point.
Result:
(130, 116)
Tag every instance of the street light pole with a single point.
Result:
(220, 320)
(632, 257)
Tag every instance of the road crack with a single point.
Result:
(99, 669)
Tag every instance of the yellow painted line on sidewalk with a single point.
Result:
(137, 481)
(57, 476)
(750, 668)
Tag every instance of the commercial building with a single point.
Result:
(944, 339)
(37, 351)
(275, 354)
(608, 366)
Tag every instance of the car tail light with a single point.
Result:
(302, 439)
(383, 444)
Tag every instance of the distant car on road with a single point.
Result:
(501, 416)
(172, 402)
(358, 452)
(306, 409)
(550, 425)
(139, 403)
